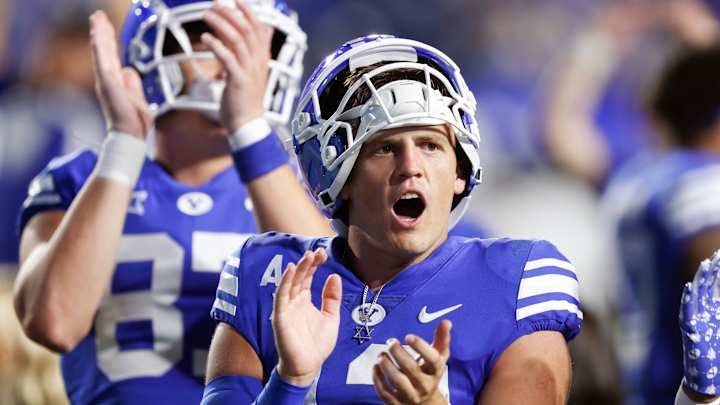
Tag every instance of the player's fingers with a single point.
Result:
(700, 282)
(240, 24)
(404, 388)
(103, 45)
(332, 295)
(382, 388)
(441, 340)
(687, 307)
(430, 361)
(712, 279)
(408, 365)
(229, 36)
(222, 54)
(282, 294)
(302, 268)
(319, 257)
(249, 15)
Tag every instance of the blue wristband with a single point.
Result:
(256, 150)
(278, 392)
(231, 389)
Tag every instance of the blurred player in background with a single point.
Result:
(386, 136)
(668, 215)
(595, 119)
(119, 253)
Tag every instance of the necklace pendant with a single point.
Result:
(363, 333)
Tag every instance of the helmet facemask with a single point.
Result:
(165, 40)
(428, 100)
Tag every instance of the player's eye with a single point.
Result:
(431, 146)
(385, 149)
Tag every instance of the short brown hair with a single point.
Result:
(335, 90)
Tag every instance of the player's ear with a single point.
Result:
(459, 185)
(461, 172)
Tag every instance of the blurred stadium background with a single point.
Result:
(561, 86)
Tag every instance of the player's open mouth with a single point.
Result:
(409, 207)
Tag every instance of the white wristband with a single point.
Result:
(253, 131)
(121, 158)
(681, 398)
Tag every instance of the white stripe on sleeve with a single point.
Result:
(549, 262)
(541, 307)
(224, 306)
(228, 283)
(548, 283)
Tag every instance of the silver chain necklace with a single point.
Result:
(364, 332)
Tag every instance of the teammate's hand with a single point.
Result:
(242, 45)
(118, 89)
(304, 335)
(699, 322)
(411, 381)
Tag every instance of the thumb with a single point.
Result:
(441, 340)
(332, 295)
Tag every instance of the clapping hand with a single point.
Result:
(401, 379)
(305, 335)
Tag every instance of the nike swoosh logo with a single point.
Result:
(426, 317)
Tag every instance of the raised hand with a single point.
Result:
(118, 89)
(304, 335)
(700, 327)
(242, 45)
(401, 379)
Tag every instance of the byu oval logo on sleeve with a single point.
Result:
(195, 203)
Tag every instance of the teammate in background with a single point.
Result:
(121, 254)
(386, 137)
(668, 214)
(699, 316)
(595, 120)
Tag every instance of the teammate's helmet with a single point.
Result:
(327, 141)
(158, 35)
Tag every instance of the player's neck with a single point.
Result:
(192, 159)
(376, 264)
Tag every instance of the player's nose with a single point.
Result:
(408, 161)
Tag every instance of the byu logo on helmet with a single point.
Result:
(158, 36)
(328, 133)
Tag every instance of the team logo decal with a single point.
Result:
(137, 202)
(195, 203)
(368, 314)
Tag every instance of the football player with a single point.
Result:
(386, 138)
(668, 214)
(120, 253)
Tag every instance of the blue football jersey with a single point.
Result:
(151, 332)
(659, 203)
(494, 291)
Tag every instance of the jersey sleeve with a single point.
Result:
(548, 297)
(244, 296)
(694, 205)
(55, 187)
(234, 308)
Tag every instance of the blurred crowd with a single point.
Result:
(561, 86)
